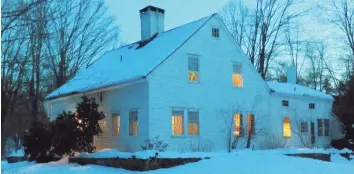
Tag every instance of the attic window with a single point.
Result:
(215, 32)
(237, 75)
(312, 105)
(285, 102)
(142, 43)
(193, 69)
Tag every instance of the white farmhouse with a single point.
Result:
(194, 88)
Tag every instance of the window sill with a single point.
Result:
(178, 136)
(237, 87)
(193, 82)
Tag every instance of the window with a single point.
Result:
(312, 105)
(251, 124)
(304, 127)
(115, 124)
(286, 127)
(193, 122)
(237, 75)
(319, 127)
(133, 122)
(177, 122)
(238, 125)
(215, 32)
(193, 69)
(326, 127)
(285, 102)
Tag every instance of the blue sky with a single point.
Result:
(177, 13)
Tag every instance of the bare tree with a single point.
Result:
(81, 31)
(344, 19)
(261, 29)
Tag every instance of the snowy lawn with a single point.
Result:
(241, 162)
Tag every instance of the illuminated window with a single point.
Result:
(115, 124)
(215, 32)
(238, 125)
(286, 127)
(133, 122)
(312, 105)
(251, 128)
(326, 127)
(319, 127)
(177, 122)
(193, 122)
(285, 102)
(193, 69)
(237, 75)
(304, 127)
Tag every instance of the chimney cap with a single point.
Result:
(152, 8)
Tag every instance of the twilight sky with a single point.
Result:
(179, 12)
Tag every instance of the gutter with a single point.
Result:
(98, 89)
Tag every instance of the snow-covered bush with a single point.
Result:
(274, 141)
(198, 145)
(69, 133)
(154, 144)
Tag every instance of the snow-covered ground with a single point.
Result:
(242, 162)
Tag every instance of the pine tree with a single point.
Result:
(343, 109)
(88, 116)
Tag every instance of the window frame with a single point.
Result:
(326, 127)
(215, 32)
(320, 127)
(312, 106)
(189, 67)
(283, 127)
(197, 122)
(238, 129)
(285, 103)
(133, 130)
(303, 125)
(253, 124)
(116, 130)
(172, 121)
(235, 73)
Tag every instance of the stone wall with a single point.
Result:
(135, 164)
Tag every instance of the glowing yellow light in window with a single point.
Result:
(237, 121)
(193, 76)
(286, 127)
(177, 125)
(237, 80)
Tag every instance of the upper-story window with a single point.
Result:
(215, 32)
(193, 69)
(285, 102)
(237, 75)
(312, 105)
(115, 124)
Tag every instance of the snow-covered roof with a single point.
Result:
(130, 62)
(295, 89)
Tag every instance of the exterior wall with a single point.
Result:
(298, 110)
(121, 99)
(213, 95)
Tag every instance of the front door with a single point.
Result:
(312, 133)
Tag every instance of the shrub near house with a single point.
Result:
(69, 133)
